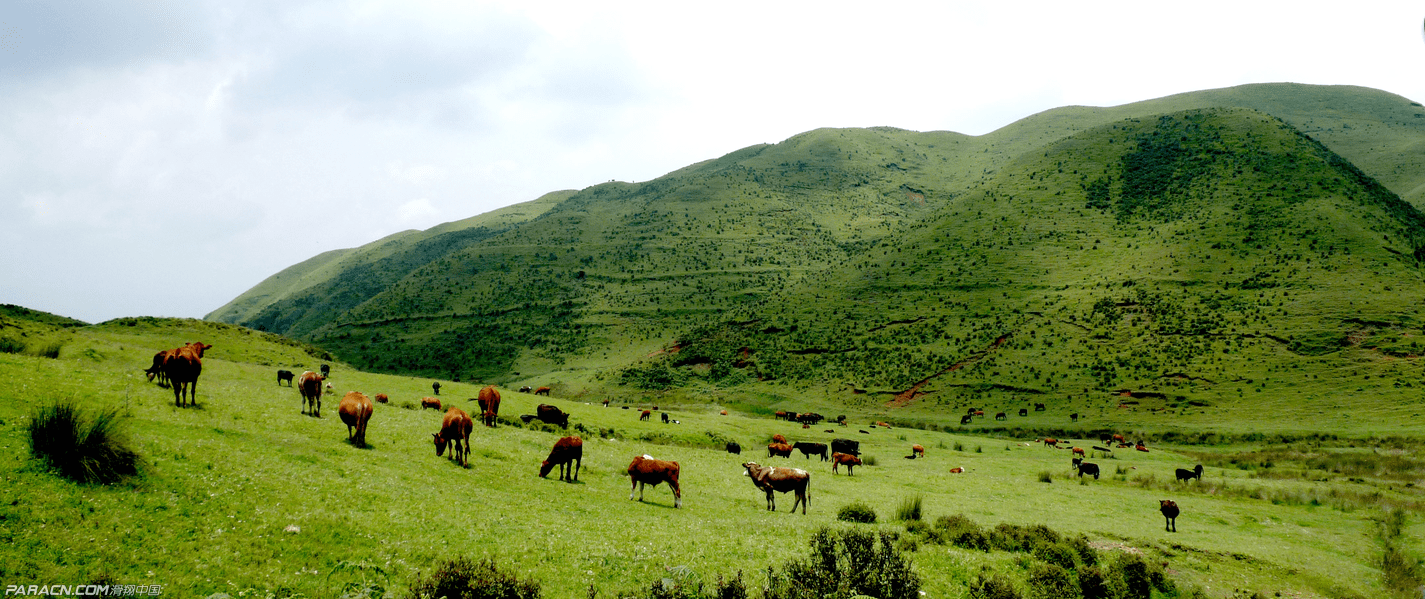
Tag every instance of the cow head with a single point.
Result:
(545, 467)
(439, 444)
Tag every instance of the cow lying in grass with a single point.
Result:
(644, 470)
(780, 480)
(568, 454)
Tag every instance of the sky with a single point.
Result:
(161, 157)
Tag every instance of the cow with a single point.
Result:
(1078, 451)
(355, 411)
(524, 389)
(435, 388)
(665, 417)
(568, 455)
(1074, 417)
(490, 404)
(1141, 448)
(1170, 514)
(883, 425)
(156, 370)
(966, 419)
(552, 415)
(644, 415)
(779, 449)
(1087, 468)
(382, 398)
(778, 439)
(850, 461)
(1023, 412)
(780, 480)
(1190, 474)
(542, 391)
(723, 413)
(980, 413)
(455, 430)
(780, 415)
(1051, 442)
(430, 402)
(644, 470)
(310, 386)
(811, 449)
(606, 404)
(1001, 416)
(326, 371)
(285, 375)
(957, 470)
(1118, 438)
(1039, 407)
(846, 446)
(182, 369)
(733, 447)
(917, 450)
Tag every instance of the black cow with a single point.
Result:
(552, 415)
(846, 446)
(326, 371)
(810, 449)
(1039, 407)
(665, 417)
(967, 418)
(1190, 474)
(733, 447)
(285, 375)
(1024, 411)
(1088, 468)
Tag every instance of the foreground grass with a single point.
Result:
(244, 492)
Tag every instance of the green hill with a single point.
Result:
(861, 266)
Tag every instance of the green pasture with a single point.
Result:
(226, 482)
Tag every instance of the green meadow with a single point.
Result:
(244, 495)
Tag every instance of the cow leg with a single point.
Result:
(577, 464)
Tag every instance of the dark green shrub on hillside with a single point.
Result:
(857, 512)
(48, 350)
(961, 532)
(1048, 581)
(11, 346)
(846, 564)
(1095, 583)
(1059, 554)
(995, 587)
(461, 578)
(82, 448)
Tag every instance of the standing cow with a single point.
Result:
(780, 480)
(490, 402)
(182, 369)
(568, 454)
(644, 470)
(310, 386)
(355, 411)
(455, 431)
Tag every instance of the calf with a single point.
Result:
(810, 449)
(568, 454)
(644, 470)
(1190, 474)
(552, 415)
(455, 430)
(285, 375)
(850, 461)
(310, 386)
(1170, 514)
(1078, 451)
(780, 480)
(355, 411)
(779, 449)
(156, 370)
(431, 402)
(917, 450)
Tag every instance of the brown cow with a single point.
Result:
(355, 411)
(182, 369)
(156, 370)
(568, 455)
(1141, 448)
(780, 480)
(956, 470)
(1170, 514)
(455, 430)
(644, 415)
(552, 415)
(542, 391)
(1077, 451)
(430, 402)
(883, 425)
(310, 386)
(779, 449)
(644, 470)
(490, 403)
(838, 459)
(779, 439)
(917, 450)
(1050, 442)
(381, 398)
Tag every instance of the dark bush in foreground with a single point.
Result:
(846, 564)
(81, 448)
(857, 512)
(996, 587)
(461, 578)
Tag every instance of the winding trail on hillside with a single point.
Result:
(904, 398)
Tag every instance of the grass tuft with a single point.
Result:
(910, 509)
(82, 448)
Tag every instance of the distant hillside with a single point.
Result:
(1155, 245)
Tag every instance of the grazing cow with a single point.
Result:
(917, 450)
(644, 415)
(1087, 468)
(1001, 416)
(568, 455)
(524, 389)
(967, 418)
(455, 429)
(355, 411)
(489, 401)
(780, 415)
(1170, 514)
(542, 391)
(326, 371)
(665, 417)
(1023, 412)
(733, 447)
(310, 386)
(644, 470)
(779, 449)
(1074, 417)
(850, 461)
(430, 402)
(1078, 451)
(778, 439)
(606, 403)
(435, 388)
(285, 375)
(1039, 407)
(972, 411)
(810, 449)
(1050, 442)
(846, 446)
(381, 398)
(780, 480)
(156, 370)
(1190, 474)
(552, 415)
(182, 369)
(1118, 438)
(957, 470)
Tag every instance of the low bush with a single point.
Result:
(1048, 581)
(995, 587)
(11, 346)
(857, 512)
(461, 578)
(82, 448)
(846, 564)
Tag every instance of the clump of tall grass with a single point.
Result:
(1046, 477)
(48, 350)
(10, 345)
(461, 578)
(83, 448)
(910, 509)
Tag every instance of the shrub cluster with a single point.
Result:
(846, 564)
(82, 448)
(857, 512)
(461, 578)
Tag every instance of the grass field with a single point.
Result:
(228, 480)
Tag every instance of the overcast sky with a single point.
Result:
(160, 157)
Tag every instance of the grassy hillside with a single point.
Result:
(245, 495)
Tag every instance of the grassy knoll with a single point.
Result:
(226, 481)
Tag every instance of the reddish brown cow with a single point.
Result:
(455, 430)
(850, 461)
(780, 480)
(381, 398)
(159, 359)
(182, 369)
(779, 449)
(1170, 514)
(778, 439)
(1051, 442)
(1118, 438)
(957, 470)
(883, 425)
(568, 455)
(355, 411)
(542, 391)
(1078, 451)
(490, 403)
(430, 402)
(1141, 448)
(917, 450)
(644, 470)
(644, 415)
(310, 386)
